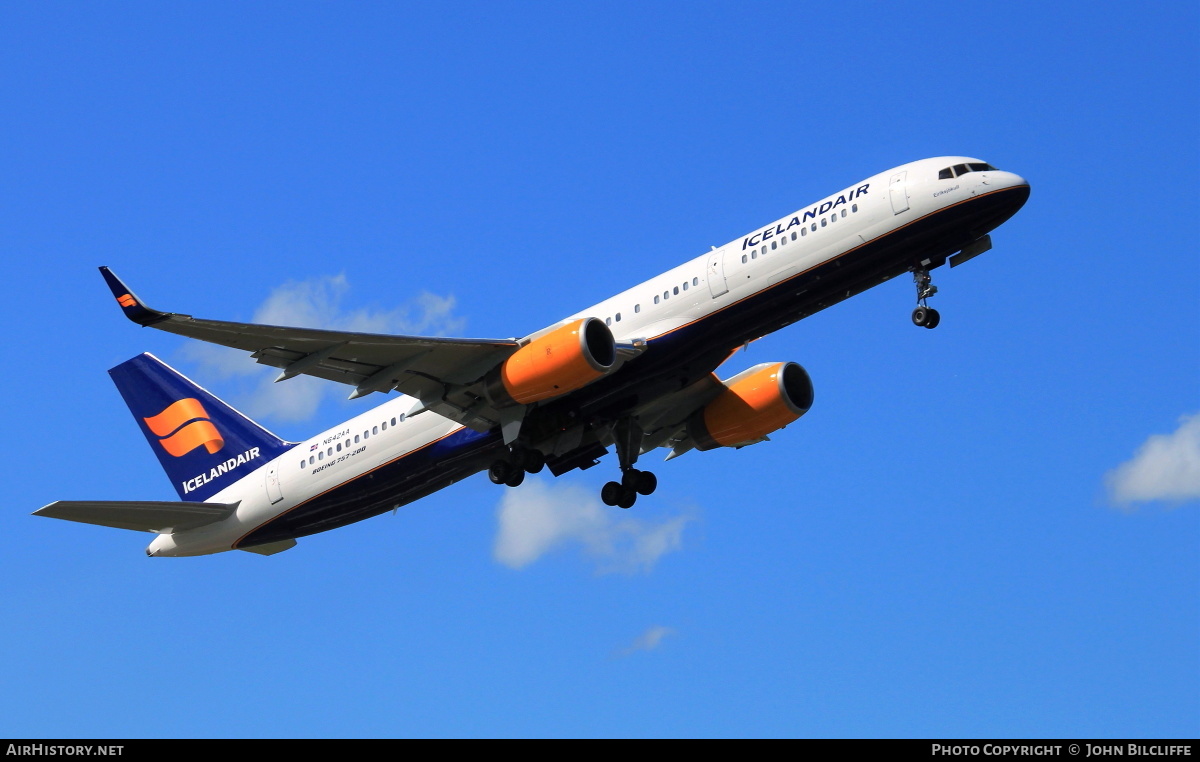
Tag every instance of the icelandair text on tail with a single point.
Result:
(55, 750)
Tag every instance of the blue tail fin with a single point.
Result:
(203, 444)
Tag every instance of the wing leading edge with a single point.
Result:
(444, 374)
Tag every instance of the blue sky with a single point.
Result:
(991, 529)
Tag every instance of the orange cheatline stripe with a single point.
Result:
(126, 301)
(192, 436)
(175, 415)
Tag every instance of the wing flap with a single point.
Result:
(161, 517)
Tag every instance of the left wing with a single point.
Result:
(446, 375)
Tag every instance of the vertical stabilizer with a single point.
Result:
(203, 444)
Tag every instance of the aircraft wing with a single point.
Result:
(146, 516)
(444, 374)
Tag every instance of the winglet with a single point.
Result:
(133, 307)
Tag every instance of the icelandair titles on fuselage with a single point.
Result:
(196, 482)
(811, 214)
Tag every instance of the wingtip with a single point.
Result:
(133, 307)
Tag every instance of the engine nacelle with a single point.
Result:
(755, 403)
(555, 363)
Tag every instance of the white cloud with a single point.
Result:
(316, 303)
(1166, 467)
(648, 640)
(537, 518)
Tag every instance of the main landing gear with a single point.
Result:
(512, 469)
(924, 315)
(628, 439)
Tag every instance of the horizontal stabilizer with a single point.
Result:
(160, 517)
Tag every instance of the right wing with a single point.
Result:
(147, 516)
(446, 375)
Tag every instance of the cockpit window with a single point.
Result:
(961, 169)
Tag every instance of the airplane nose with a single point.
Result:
(1011, 180)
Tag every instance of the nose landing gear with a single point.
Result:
(924, 315)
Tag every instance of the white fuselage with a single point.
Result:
(706, 284)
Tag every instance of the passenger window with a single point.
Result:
(814, 227)
(356, 439)
(656, 295)
(773, 247)
(843, 212)
(744, 259)
(374, 429)
(383, 426)
(393, 421)
(339, 447)
(854, 208)
(764, 249)
(608, 321)
(695, 281)
(793, 235)
(803, 231)
(311, 460)
(946, 174)
(320, 456)
(366, 434)
(329, 452)
(666, 295)
(303, 463)
(685, 285)
(822, 222)
(754, 254)
(833, 217)
(637, 308)
(618, 318)
(676, 291)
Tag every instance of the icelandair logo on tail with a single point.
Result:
(184, 426)
(179, 439)
(125, 300)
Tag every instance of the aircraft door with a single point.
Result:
(716, 273)
(274, 491)
(899, 192)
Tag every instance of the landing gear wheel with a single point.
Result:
(532, 460)
(628, 498)
(933, 318)
(500, 471)
(515, 478)
(920, 316)
(641, 482)
(611, 493)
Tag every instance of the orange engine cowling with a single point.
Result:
(555, 363)
(755, 403)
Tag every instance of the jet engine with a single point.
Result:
(555, 363)
(753, 404)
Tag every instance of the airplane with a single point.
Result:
(635, 372)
